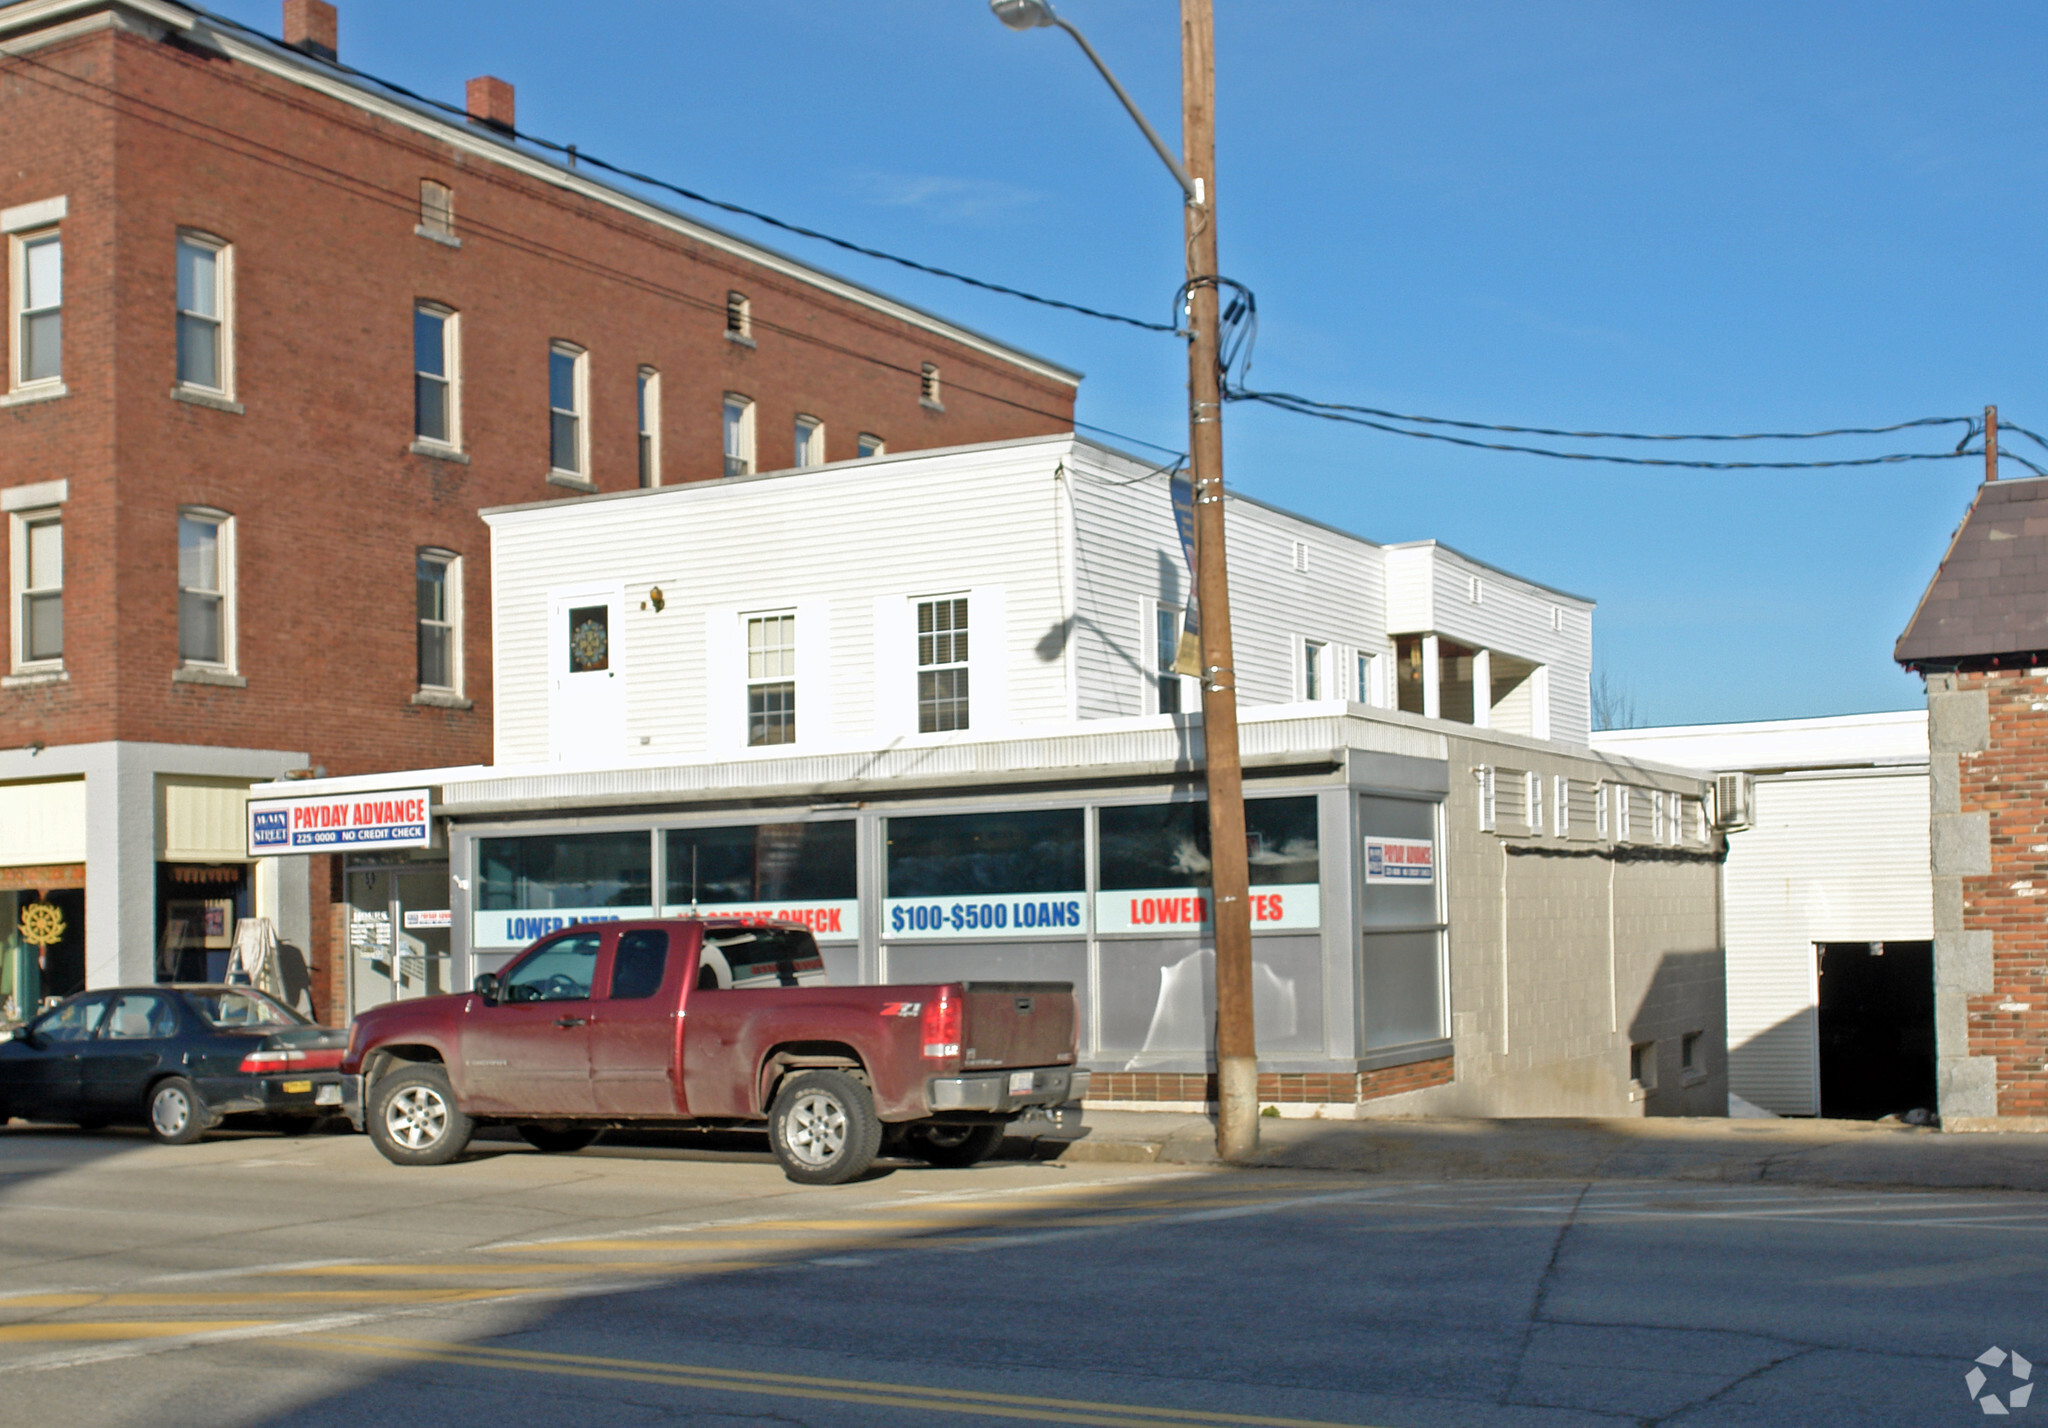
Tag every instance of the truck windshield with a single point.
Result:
(765, 956)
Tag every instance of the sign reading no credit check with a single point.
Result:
(397, 818)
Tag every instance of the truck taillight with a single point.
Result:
(286, 1059)
(941, 1027)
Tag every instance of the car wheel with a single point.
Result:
(414, 1119)
(177, 1116)
(823, 1127)
(556, 1140)
(952, 1147)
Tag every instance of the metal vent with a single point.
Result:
(1734, 795)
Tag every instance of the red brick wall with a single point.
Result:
(2009, 781)
(1275, 1087)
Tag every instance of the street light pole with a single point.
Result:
(1237, 1065)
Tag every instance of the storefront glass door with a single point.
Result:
(398, 934)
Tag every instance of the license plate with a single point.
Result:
(327, 1096)
(1020, 1083)
(297, 1088)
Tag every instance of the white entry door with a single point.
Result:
(586, 677)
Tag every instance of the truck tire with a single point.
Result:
(177, 1116)
(951, 1147)
(823, 1127)
(556, 1140)
(414, 1119)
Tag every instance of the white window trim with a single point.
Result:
(17, 295)
(1154, 658)
(581, 395)
(877, 446)
(794, 679)
(970, 664)
(813, 453)
(451, 358)
(748, 451)
(1306, 650)
(1561, 805)
(1532, 802)
(452, 583)
(1487, 807)
(224, 287)
(647, 392)
(18, 522)
(229, 633)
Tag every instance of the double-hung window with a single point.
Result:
(649, 393)
(568, 385)
(1166, 655)
(941, 664)
(435, 395)
(771, 679)
(206, 566)
(38, 563)
(737, 419)
(38, 309)
(810, 442)
(205, 346)
(438, 581)
(1312, 668)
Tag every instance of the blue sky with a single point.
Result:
(1635, 217)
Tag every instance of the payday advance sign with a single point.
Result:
(397, 818)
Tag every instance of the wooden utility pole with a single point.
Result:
(1991, 443)
(1237, 1063)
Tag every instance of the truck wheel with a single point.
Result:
(823, 1127)
(176, 1114)
(952, 1147)
(414, 1119)
(556, 1140)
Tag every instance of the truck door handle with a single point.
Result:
(569, 1021)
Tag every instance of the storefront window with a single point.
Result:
(529, 887)
(1018, 874)
(803, 872)
(1401, 910)
(1154, 871)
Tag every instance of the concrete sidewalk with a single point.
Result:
(1787, 1152)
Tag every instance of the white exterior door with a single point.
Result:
(586, 677)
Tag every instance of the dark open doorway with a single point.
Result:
(1876, 1028)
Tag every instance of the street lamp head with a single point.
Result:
(1023, 14)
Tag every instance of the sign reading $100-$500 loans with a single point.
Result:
(388, 818)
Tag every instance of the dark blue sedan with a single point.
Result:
(174, 1058)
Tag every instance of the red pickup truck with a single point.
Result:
(709, 1021)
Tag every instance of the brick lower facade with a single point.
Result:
(1275, 1087)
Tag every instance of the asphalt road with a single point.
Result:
(256, 1280)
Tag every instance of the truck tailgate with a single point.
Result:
(1017, 1024)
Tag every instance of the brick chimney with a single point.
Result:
(490, 102)
(311, 25)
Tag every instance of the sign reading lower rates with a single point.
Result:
(394, 819)
(1400, 860)
(1287, 907)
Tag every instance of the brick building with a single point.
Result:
(1980, 638)
(275, 335)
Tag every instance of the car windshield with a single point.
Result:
(234, 1008)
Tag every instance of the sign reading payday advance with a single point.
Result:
(1053, 914)
(399, 818)
(1283, 907)
(1400, 860)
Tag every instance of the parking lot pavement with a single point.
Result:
(256, 1279)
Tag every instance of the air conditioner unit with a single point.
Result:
(1734, 800)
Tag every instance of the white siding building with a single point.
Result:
(924, 703)
(1828, 870)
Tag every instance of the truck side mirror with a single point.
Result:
(486, 986)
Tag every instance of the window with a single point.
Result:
(205, 589)
(1488, 808)
(73, 1021)
(435, 416)
(650, 427)
(1561, 792)
(1041, 850)
(869, 445)
(1656, 817)
(1404, 969)
(205, 354)
(39, 309)
(754, 865)
(566, 872)
(1312, 669)
(1622, 800)
(1533, 808)
(928, 387)
(557, 971)
(1642, 1065)
(1691, 1059)
(568, 375)
(38, 564)
(141, 1016)
(771, 679)
(1600, 810)
(810, 441)
(1168, 653)
(438, 576)
(739, 317)
(941, 665)
(739, 435)
(437, 211)
(639, 964)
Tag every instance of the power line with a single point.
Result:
(577, 157)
